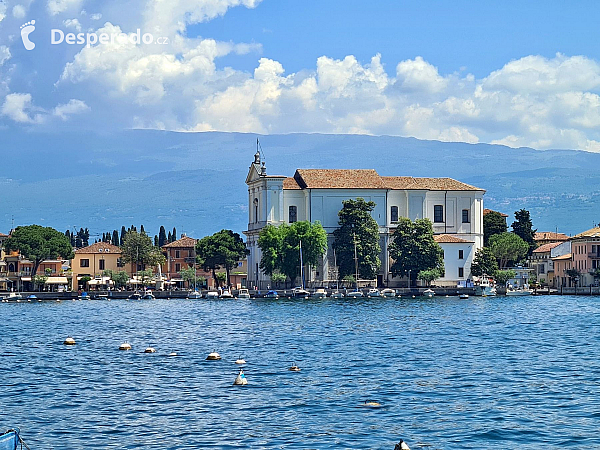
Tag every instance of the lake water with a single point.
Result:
(485, 373)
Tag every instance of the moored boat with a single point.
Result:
(337, 294)
(429, 293)
(148, 295)
(272, 294)
(243, 294)
(373, 293)
(354, 294)
(519, 292)
(388, 293)
(135, 296)
(195, 295)
(463, 296)
(226, 294)
(319, 293)
(300, 293)
(212, 295)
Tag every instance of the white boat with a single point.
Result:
(463, 296)
(519, 292)
(388, 293)
(272, 294)
(485, 288)
(135, 296)
(373, 293)
(320, 293)
(300, 293)
(337, 294)
(226, 294)
(212, 295)
(429, 293)
(243, 294)
(354, 294)
(148, 296)
(195, 295)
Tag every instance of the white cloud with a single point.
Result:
(19, 11)
(96, 16)
(4, 54)
(74, 106)
(2, 10)
(19, 108)
(59, 6)
(72, 23)
(418, 74)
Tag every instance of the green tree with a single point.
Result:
(221, 250)
(220, 278)
(484, 263)
(189, 274)
(523, 228)
(414, 249)
(174, 235)
(508, 247)
(39, 281)
(120, 278)
(122, 237)
(493, 223)
(429, 275)
(278, 278)
(162, 236)
(573, 274)
(115, 237)
(145, 276)
(280, 247)
(357, 227)
(37, 243)
(138, 249)
(502, 276)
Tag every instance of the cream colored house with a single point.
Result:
(93, 260)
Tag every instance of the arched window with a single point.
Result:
(255, 210)
(293, 214)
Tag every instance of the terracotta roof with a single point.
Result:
(594, 232)
(3, 235)
(563, 257)
(429, 184)
(100, 247)
(550, 236)
(184, 242)
(449, 239)
(546, 247)
(487, 211)
(368, 179)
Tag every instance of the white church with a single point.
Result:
(454, 208)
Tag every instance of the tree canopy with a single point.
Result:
(37, 243)
(484, 263)
(414, 250)
(221, 250)
(493, 223)
(523, 228)
(508, 247)
(280, 247)
(138, 249)
(357, 226)
(502, 276)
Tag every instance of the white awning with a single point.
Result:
(26, 279)
(57, 280)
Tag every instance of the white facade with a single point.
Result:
(454, 209)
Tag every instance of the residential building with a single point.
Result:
(561, 265)
(547, 237)
(18, 273)
(94, 259)
(454, 208)
(585, 248)
(541, 260)
(458, 256)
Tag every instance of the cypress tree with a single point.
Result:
(170, 238)
(174, 234)
(162, 236)
(142, 231)
(155, 240)
(115, 237)
(123, 232)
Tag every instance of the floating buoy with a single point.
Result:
(414, 296)
(214, 356)
(69, 341)
(241, 380)
(240, 361)
(58, 300)
(172, 354)
(401, 446)
(372, 404)
(150, 350)
(294, 368)
(125, 346)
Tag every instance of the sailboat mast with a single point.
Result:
(355, 262)
(301, 266)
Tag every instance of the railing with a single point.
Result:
(594, 255)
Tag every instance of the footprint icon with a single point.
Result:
(26, 30)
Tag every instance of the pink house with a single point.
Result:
(585, 248)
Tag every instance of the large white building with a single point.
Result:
(454, 208)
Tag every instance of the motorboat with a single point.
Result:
(337, 294)
(195, 295)
(372, 293)
(13, 297)
(429, 293)
(388, 293)
(319, 293)
(84, 296)
(148, 295)
(519, 292)
(135, 296)
(485, 288)
(354, 294)
(226, 294)
(272, 294)
(212, 295)
(300, 293)
(463, 296)
(243, 294)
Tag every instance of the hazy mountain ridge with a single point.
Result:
(195, 181)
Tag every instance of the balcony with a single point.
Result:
(594, 255)
(190, 260)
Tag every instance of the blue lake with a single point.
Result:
(485, 373)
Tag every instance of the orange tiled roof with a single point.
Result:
(594, 232)
(487, 211)
(449, 239)
(550, 236)
(100, 247)
(184, 242)
(563, 257)
(368, 179)
(546, 247)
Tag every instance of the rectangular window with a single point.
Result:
(177, 267)
(438, 213)
(84, 263)
(542, 269)
(177, 254)
(466, 217)
(461, 254)
(120, 262)
(461, 272)
(292, 214)
(101, 264)
(394, 214)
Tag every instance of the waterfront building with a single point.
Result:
(586, 256)
(548, 237)
(454, 208)
(542, 260)
(17, 273)
(94, 259)
(561, 265)
(458, 256)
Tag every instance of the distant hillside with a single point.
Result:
(195, 181)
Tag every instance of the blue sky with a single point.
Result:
(513, 73)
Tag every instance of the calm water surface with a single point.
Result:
(491, 373)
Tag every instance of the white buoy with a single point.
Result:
(125, 346)
(294, 368)
(414, 296)
(372, 404)
(173, 354)
(241, 380)
(150, 350)
(240, 360)
(69, 341)
(214, 356)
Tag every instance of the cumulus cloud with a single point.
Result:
(19, 11)
(19, 108)
(2, 10)
(59, 6)
(4, 54)
(74, 106)
(72, 23)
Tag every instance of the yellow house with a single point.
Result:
(93, 260)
